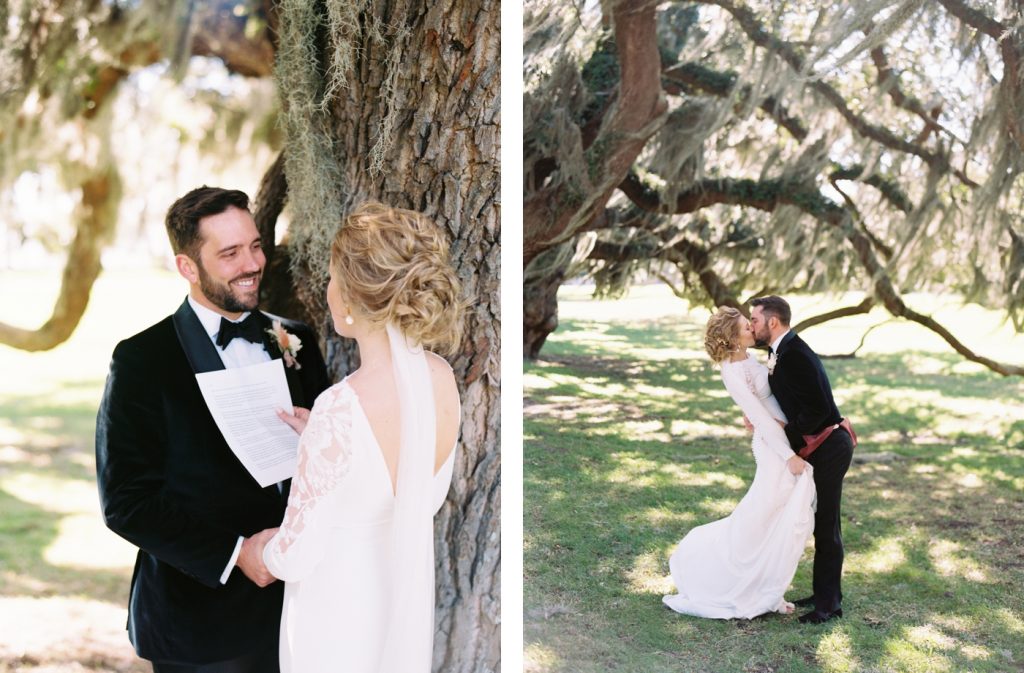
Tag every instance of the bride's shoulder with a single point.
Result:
(337, 394)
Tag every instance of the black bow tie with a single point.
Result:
(248, 329)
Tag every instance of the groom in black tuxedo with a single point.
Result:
(201, 599)
(801, 386)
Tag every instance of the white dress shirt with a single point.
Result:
(775, 344)
(238, 353)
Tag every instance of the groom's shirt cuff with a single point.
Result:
(231, 564)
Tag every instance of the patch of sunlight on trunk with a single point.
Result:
(835, 653)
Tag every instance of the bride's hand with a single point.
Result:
(796, 465)
(296, 422)
(748, 424)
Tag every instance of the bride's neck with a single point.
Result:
(739, 355)
(374, 350)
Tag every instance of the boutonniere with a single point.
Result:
(772, 359)
(287, 343)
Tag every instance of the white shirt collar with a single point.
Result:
(775, 344)
(210, 318)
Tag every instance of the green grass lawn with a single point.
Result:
(630, 440)
(63, 576)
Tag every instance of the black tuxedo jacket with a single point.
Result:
(801, 386)
(170, 485)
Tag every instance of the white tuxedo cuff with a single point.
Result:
(231, 563)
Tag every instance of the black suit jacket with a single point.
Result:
(170, 485)
(801, 386)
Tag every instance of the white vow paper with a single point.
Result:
(244, 402)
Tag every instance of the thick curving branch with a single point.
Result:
(767, 195)
(95, 222)
(555, 213)
(845, 312)
(683, 76)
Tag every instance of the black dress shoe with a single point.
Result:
(818, 617)
(804, 602)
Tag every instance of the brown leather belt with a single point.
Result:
(814, 441)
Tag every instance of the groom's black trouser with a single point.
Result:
(830, 462)
(264, 660)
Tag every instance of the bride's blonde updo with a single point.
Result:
(392, 266)
(722, 333)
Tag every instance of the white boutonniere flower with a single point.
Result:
(289, 344)
(771, 363)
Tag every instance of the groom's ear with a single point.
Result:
(187, 268)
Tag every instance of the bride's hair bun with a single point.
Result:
(392, 265)
(722, 332)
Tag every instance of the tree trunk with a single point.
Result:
(540, 298)
(397, 101)
(96, 219)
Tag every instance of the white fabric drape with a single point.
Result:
(408, 646)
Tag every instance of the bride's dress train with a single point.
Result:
(741, 566)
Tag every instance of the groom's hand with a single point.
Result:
(796, 464)
(250, 558)
(296, 420)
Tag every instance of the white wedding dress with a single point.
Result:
(353, 593)
(741, 566)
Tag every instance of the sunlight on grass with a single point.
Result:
(905, 656)
(885, 556)
(835, 653)
(538, 659)
(647, 431)
(53, 494)
(687, 428)
(683, 476)
(929, 638)
(648, 574)
(84, 542)
(951, 560)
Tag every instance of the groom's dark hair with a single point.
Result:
(184, 214)
(774, 306)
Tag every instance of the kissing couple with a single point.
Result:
(741, 566)
(350, 535)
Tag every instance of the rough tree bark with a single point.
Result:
(402, 106)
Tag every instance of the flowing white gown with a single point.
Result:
(337, 553)
(741, 566)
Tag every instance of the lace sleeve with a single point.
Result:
(325, 452)
(741, 390)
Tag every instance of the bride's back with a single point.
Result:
(378, 397)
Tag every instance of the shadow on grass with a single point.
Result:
(612, 482)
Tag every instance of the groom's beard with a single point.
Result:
(762, 338)
(224, 296)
